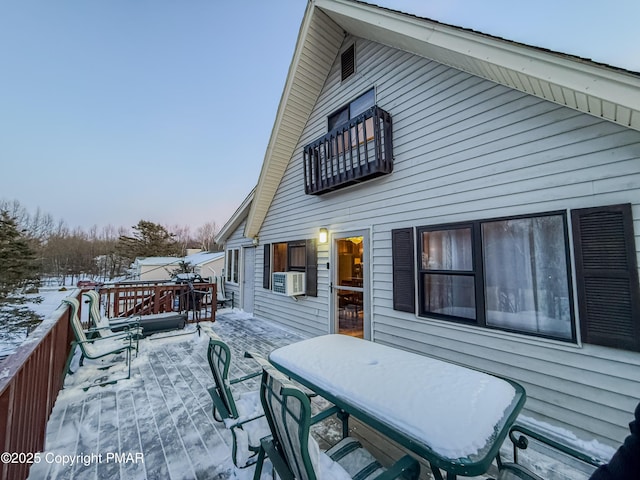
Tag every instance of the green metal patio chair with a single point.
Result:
(294, 454)
(99, 347)
(101, 325)
(247, 423)
(519, 436)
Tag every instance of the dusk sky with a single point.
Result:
(113, 111)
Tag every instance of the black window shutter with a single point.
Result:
(403, 270)
(607, 276)
(312, 268)
(266, 269)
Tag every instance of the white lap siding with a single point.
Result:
(467, 149)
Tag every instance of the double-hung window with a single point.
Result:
(514, 274)
(293, 256)
(447, 274)
(359, 134)
(352, 110)
(511, 274)
(289, 256)
(233, 259)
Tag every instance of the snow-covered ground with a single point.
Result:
(12, 337)
(51, 299)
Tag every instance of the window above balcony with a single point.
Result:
(357, 148)
(352, 109)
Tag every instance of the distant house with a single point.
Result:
(153, 268)
(206, 264)
(239, 272)
(477, 200)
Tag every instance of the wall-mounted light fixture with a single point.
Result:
(256, 240)
(324, 235)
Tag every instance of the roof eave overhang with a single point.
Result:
(235, 220)
(591, 88)
(318, 43)
(580, 84)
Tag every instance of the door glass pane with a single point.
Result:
(350, 262)
(350, 313)
(527, 284)
(348, 288)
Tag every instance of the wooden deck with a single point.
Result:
(158, 424)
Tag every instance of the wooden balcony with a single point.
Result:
(353, 152)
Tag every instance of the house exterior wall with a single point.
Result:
(466, 149)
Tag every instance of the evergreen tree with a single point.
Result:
(18, 268)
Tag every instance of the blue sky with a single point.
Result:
(113, 111)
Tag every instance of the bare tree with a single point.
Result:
(205, 235)
(182, 235)
(109, 263)
(40, 225)
(16, 211)
(100, 251)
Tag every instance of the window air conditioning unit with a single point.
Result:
(288, 283)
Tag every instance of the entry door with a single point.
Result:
(248, 278)
(350, 284)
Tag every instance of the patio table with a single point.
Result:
(454, 417)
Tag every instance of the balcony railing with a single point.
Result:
(351, 153)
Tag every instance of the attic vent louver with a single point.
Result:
(348, 60)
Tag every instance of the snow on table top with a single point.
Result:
(451, 409)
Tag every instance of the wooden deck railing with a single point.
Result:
(145, 298)
(30, 380)
(32, 376)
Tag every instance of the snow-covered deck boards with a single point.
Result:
(163, 412)
(159, 421)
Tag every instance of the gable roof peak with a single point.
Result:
(606, 92)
